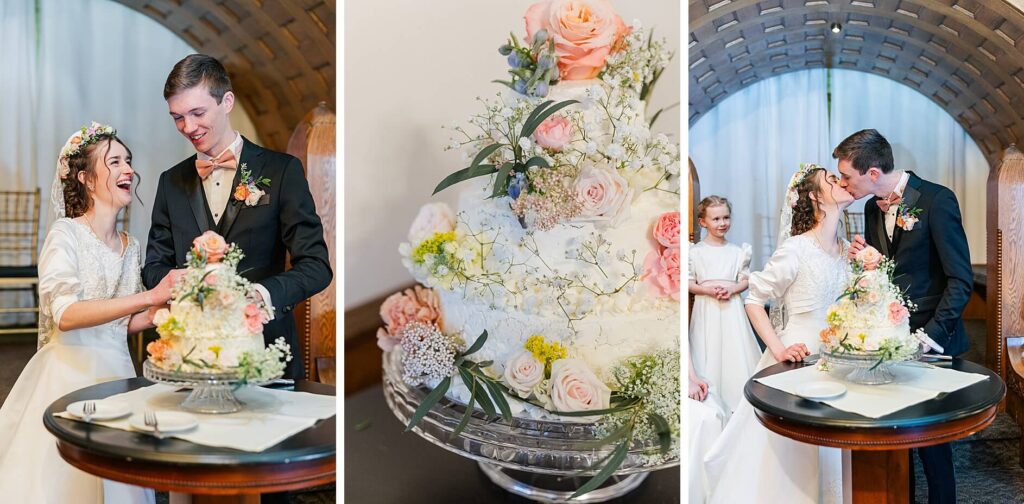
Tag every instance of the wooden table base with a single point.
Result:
(881, 477)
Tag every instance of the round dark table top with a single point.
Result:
(317, 442)
(384, 464)
(947, 407)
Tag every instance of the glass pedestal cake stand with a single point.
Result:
(212, 393)
(537, 459)
(863, 367)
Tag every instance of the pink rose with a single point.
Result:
(432, 218)
(254, 318)
(666, 230)
(661, 272)
(523, 372)
(574, 387)
(897, 313)
(553, 133)
(605, 195)
(212, 244)
(869, 257)
(585, 32)
(399, 309)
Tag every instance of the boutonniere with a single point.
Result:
(249, 188)
(906, 217)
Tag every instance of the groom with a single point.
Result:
(917, 224)
(206, 192)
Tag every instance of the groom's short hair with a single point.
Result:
(196, 69)
(864, 149)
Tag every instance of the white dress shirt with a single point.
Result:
(218, 185)
(218, 191)
(890, 216)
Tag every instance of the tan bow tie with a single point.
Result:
(887, 203)
(225, 160)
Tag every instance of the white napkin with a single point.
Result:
(269, 416)
(914, 384)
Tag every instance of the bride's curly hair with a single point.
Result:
(77, 199)
(805, 212)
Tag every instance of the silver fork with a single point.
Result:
(88, 410)
(149, 418)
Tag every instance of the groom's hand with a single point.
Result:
(856, 246)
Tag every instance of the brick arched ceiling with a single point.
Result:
(966, 55)
(279, 53)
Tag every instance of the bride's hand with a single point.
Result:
(161, 294)
(792, 353)
(856, 246)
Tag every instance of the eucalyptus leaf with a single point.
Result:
(463, 175)
(477, 345)
(536, 161)
(530, 125)
(481, 395)
(499, 399)
(428, 402)
(482, 155)
(622, 432)
(663, 430)
(533, 114)
(468, 414)
(501, 181)
(617, 456)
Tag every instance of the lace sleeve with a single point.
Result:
(776, 277)
(59, 282)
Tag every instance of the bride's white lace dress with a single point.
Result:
(73, 266)
(749, 463)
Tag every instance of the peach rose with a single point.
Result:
(666, 230)
(605, 195)
(418, 304)
(75, 140)
(212, 244)
(162, 353)
(585, 32)
(869, 257)
(523, 372)
(897, 313)
(574, 387)
(241, 192)
(661, 272)
(432, 218)
(553, 133)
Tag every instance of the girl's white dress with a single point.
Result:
(749, 463)
(722, 344)
(705, 420)
(73, 266)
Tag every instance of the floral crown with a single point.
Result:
(79, 140)
(805, 169)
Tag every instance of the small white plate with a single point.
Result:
(821, 390)
(105, 410)
(168, 421)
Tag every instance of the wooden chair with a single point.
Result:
(854, 224)
(313, 142)
(19, 252)
(1004, 352)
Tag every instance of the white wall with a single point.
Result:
(410, 67)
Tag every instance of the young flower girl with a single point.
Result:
(722, 344)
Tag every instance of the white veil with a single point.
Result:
(777, 313)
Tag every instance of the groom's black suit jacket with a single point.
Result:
(933, 264)
(283, 221)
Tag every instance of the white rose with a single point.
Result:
(254, 197)
(161, 316)
(574, 387)
(523, 372)
(605, 195)
(432, 218)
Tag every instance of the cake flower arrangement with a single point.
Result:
(871, 316)
(215, 320)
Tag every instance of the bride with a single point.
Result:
(749, 463)
(90, 299)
